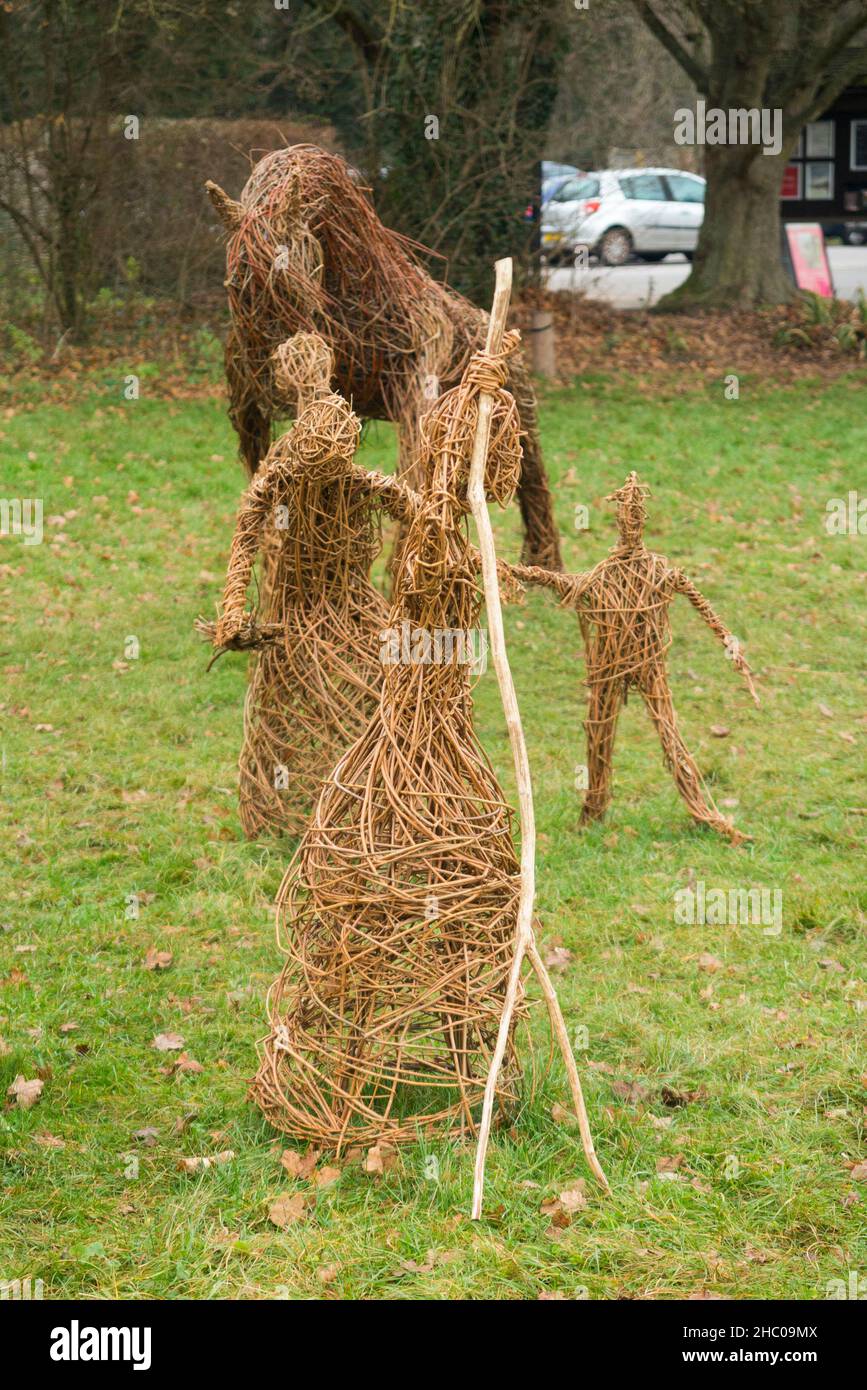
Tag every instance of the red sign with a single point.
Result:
(791, 187)
(806, 246)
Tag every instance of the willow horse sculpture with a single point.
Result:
(307, 252)
(622, 606)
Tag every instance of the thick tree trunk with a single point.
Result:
(737, 263)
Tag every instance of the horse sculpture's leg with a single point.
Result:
(541, 537)
(678, 759)
(604, 702)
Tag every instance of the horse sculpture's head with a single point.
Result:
(274, 262)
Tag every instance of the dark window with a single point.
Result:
(646, 188)
(684, 189)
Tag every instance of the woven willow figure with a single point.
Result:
(316, 676)
(622, 606)
(307, 252)
(398, 913)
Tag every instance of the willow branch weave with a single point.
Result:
(398, 913)
(307, 252)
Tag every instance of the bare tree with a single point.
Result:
(791, 56)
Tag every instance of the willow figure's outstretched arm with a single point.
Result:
(684, 585)
(396, 497)
(569, 587)
(402, 502)
(235, 628)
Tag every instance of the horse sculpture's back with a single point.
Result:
(307, 252)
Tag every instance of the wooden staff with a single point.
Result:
(525, 942)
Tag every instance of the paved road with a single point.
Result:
(639, 285)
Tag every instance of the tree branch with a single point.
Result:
(690, 64)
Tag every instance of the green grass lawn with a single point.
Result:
(119, 780)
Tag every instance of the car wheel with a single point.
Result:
(854, 238)
(615, 246)
(689, 255)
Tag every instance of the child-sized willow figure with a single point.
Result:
(622, 606)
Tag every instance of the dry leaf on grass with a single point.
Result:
(168, 1042)
(660, 1121)
(557, 957)
(157, 960)
(561, 1208)
(184, 1063)
(709, 963)
(431, 1260)
(25, 1093)
(719, 731)
(573, 1197)
(198, 1163)
(323, 1177)
(858, 1172)
(667, 1166)
(288, 1209)
(49, 1141)
(631, 1091)
(299, 1165)
(379, 1159)
(673, 1098)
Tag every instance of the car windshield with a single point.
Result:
(573, 189)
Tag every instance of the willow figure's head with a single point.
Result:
(631, 511)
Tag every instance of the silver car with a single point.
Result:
(616, 213)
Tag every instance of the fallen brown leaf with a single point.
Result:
(379, 1159)
(157, 960)
(184, 1063)
(557, 957)
(198, 1163)
(324, 1177)
(25, 1093)
(288, 1209)
(299, 1165)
